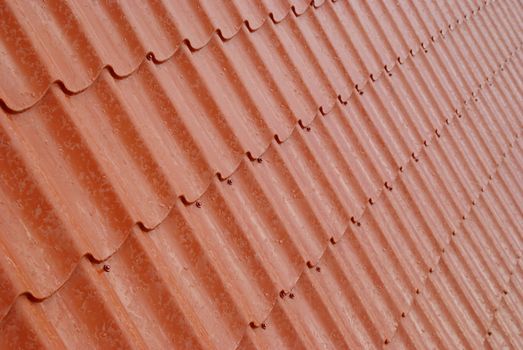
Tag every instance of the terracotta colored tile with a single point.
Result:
(261, 174)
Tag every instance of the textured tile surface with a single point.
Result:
(261, 174)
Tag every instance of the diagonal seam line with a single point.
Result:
(502, 298)
(469, 209)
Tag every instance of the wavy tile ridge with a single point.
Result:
(323, 112)
(150, 56)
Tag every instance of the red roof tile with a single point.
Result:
(368, 164)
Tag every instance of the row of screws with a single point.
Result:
(417, 291)
(360, 91)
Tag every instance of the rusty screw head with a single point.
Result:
(107, 268)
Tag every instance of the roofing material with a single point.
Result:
(352, 162)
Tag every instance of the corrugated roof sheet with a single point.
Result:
(267, 174)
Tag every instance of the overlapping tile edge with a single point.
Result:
(150, 56)
(13, 107)
(359, 89)
(493, 340)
